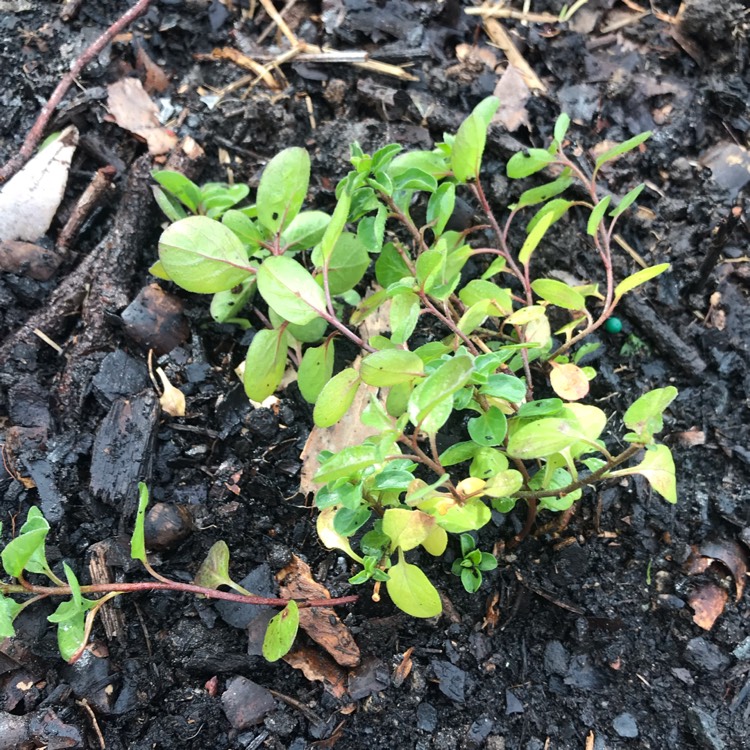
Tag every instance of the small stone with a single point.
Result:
(479, 731)
(426, 717)
(495, 742)
(705, 655)
(582, 674)
(556, 659)
(742, 650)
(451, 680)
(625, 725)
(512, 704)
(368, 678)
(245, 703)
(704, 729)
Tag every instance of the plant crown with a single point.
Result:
(409, 485)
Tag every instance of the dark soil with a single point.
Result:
(584, 639)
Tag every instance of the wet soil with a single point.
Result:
(583, 639)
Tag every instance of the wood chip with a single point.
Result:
(501, 38)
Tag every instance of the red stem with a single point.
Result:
(36, 132)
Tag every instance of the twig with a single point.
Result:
(36, 132)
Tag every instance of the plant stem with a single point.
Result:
(167, 585)
(35, 134)
(630, 451)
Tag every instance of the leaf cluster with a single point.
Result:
(452, 345)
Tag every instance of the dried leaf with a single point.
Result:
(132, 109)
(318, 667)
(513, 93)
(156, 79)
(322, 624)
(708, 603)
(403, 670)
(29, 201)
(732, 556)
(172, 400)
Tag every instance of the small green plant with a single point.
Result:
(468, 352)
(74, 617)
(472, 563)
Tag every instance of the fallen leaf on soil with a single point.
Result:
(172, 400)
(318, 667)
(132, 109)
(29, 201)
(690, 437)
(708, 603)
(403, 670)
(156, 79)
(513, 93)
(347, 431)
(322, 624)
(729, 165)
(732, 556)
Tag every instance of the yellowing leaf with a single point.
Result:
(411, 591)
(569, 381)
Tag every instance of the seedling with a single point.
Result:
(479, 348)
(74, 617)
(472, 564)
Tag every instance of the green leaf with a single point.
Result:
(627, 200)
(329, 537)
(281, 632)
(202, 255)
(431, 402)
(218, 197)
(561, 127)
(157, 269)
(658, 468)
(558, 293)
(347, 463)
(479, 289)
(335, 227)
(244, 227)
(504, 483)
(315, 370)
(471, 579)
(638, 278)
(645, 416)
(458, 453)
(26, 551)
(138, 540)
(186, 191)
(336, 397)
(407, 529)
(622, 148)
(534, 238)
(455, 518)
(411, 590)
(371, 230)
(415, 179)
(439, 268)
(507, 387)
(489, 429)
(544, 192)
(390, 267)
(468, 145)
(71, 633)
(432, 162)
(404, 316)
(384, 156)
(290, 289)
(391, 367)
(214, 570)
(310, 333)
(557, 207)
(226, 305)
(440, 206)
(169, 205)
(348, 521)
(8, 611)
(523, 165)
(545, 407)
(597, 214)
(282, 188)
(305, 230)
(542, 438)
(487, 463)
(346, 265)
(265, 363)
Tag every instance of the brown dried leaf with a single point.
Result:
(318, 667)
(132, 109)
(513, 93)
(733, 557)
(403, 670)
(156, 79)
(708, 603)
(322, 624)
